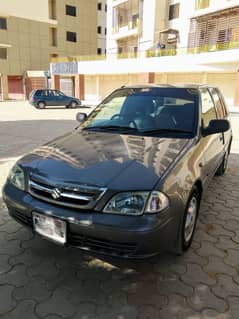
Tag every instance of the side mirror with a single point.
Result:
(81, 117)
(216, 126)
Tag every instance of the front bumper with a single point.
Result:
(115, 235)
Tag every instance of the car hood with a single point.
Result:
(104, 159)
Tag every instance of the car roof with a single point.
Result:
(177, 85)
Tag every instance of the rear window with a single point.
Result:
(38, 93)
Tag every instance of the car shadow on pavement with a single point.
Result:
(63, 107)
(19, 137)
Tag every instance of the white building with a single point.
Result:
(167, 41)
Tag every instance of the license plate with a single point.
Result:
(50, 227)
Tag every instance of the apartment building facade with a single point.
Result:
(136, 26)
(168, 41)
(34, 32)
(102, 27)
(133, 26)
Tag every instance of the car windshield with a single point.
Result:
(146, 110)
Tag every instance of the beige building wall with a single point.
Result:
(99, 86)
(227, 82)
(33, 36)
(28, 46)
(27, 9)
(84, 24)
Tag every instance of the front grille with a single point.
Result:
(101, 245)
(21, 217)
(76, 196)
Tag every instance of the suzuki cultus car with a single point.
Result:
(129, 179)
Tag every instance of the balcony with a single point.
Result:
(125, 31)
(218, 47)
(127, 28)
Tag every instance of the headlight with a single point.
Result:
(16, 177)
(136, 203)
(130, 203)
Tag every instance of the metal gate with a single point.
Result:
(67, 86)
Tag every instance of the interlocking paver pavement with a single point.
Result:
(41, 280)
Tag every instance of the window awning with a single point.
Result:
(169, 31)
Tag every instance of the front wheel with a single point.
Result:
(41, 105)
(190, 219)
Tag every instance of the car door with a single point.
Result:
(45, 97)
(50, 98)
(211, 145)
(62, 98)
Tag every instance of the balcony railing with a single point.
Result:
(195, 50)
(153, 53)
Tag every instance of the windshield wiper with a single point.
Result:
(167, 130)
(112, 127)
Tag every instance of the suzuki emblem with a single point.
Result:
(56, 193)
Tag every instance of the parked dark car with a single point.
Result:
(44, 97)
(129, 180)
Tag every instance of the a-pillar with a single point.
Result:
(236, 95)
(55, 84)
(148, 77)
(80, 86)
(4, 87)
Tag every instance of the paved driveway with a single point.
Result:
(41, 280)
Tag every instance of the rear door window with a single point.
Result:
(220, 108)
(208, 108)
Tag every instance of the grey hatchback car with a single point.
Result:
(129, 179)
(45, 97)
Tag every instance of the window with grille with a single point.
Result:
(224, 35)
(71, 36)
(53, 37)
(70, 11)
(3, 23)
(52, 9)
(3, 53)
(174, 11)
(202, 4)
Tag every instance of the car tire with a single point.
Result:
(190, 219)
(41, 105)
(73, 104)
